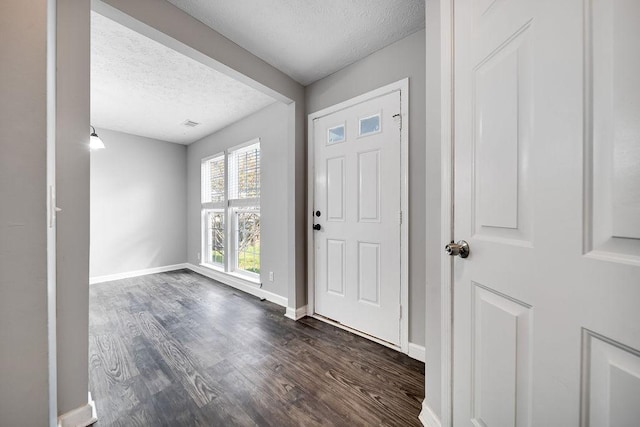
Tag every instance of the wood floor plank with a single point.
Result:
(111, 355)
(346, 386)
(179, 349)
(141, 415)
(263, 408)
(175, 408)
(349, 370)
(180, 361)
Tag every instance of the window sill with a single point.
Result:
(232, 275)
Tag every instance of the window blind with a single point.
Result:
(244, 177)
(213, 180)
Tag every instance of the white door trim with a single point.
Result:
(403, 87)
(447, 208)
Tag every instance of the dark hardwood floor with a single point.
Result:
(179, 349)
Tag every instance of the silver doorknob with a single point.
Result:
(460, 249)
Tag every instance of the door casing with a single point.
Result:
(447, 210)
(403, 87)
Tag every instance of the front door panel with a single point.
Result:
(357, 191)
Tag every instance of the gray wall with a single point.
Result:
(72, 190)
(405, 58)
(23, 214)
(138, 204)
(193, 38)
(434, 243)
(23, 219)
(271, 126)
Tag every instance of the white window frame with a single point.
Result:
(230, 207)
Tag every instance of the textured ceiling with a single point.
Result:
(142, 87)
(309, 39)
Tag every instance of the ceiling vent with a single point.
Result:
(190, 123)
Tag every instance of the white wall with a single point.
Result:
(23, 214)
(138, 204)
(405, 58)
(270, 125)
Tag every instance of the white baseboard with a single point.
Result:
(416, 352)
(80, 417)
(296, 314)
(238, 283)
(136, 273)
(427, 417)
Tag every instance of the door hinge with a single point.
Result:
(400, 217)
(401, 311)
(398, 119)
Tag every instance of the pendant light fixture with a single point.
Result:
(95, 143)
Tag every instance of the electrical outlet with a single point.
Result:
(271, 276)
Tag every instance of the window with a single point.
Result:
(335, 135)
(370, 125)
(231, 210)
(247, 239)
(214, 220)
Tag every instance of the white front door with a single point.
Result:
(547, 194)
(357, 205)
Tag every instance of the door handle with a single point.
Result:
(317, 227)
(460, 249)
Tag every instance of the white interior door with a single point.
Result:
(547, 194)
(357, 199)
